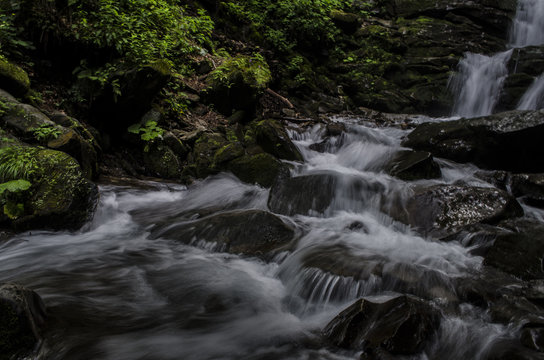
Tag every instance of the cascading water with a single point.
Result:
(533, 99)
(479, 81)
(117, 290)
(528, 25)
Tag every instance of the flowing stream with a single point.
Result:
(116, 291)
(477, 85)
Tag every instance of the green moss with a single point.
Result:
(13, 79)
(14, 210)
(261, 168)
(251, 71)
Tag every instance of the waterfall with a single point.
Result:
(534, 97)
(479, 81)
(528, 26)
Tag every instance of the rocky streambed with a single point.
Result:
(382, 243)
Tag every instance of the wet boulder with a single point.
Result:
(401, 325)
(248, 232)
(322, 192)
(22, 318)
(413, 165)
(505, 141)
(519, 252)
(273, 138)
(530, 187)
(58, 195)
(306, 195)
(444, 209)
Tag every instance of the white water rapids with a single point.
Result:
(113, 292)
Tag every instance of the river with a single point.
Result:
(115, 290)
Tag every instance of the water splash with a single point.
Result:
(533, 99)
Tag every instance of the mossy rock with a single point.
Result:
(273, 138)
(237, 84)
(346, 21)
(22, 315)
(261, 169)
(228, 153)
(160, 160)
(34, 127)
(60, 197)
(204, 152)
(13, 79)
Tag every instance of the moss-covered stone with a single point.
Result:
(204, 152)
(160, 160)
(237, 83)
(60, 197)
(13, 79)
(260, 168)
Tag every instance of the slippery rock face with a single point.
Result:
(22, 315)
(519, 252)
(273, 138)
(413, 165)
(444, 209)
(401, 325)
(506, 141)
(302, 195)
(249, 232)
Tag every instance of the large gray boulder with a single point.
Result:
(505, 141)
(445, 209)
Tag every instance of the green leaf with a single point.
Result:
(134, 129)
(15, 186)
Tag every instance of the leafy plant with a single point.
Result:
(253, 71)
(46, 132)
(17, 162)
(148, 132)
(15, 186)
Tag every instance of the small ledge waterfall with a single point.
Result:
(528, 26)
(480, 79)
(534, 97)
(479, 83)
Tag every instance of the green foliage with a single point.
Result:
(11, 43)
(148, 132)
(17, 162)
(15, 186)
(46, 132)
(14, 210)
(253, 71)
(288, 24)
(141, 31)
